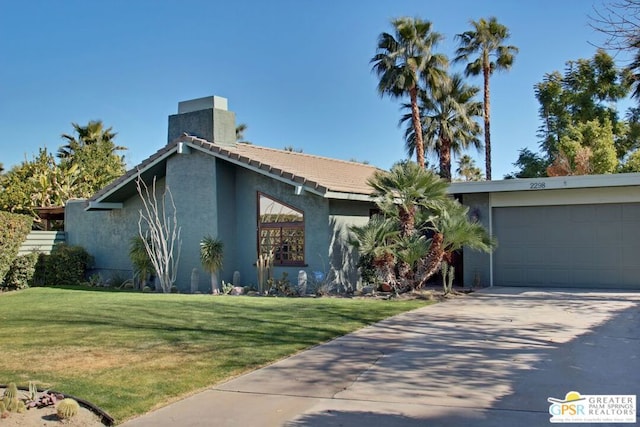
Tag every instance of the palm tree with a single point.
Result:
(402, 59)
(467, 169)
(402, 190)
(93, 133)
(375, 241)
(420, 224)
(240, 130)
(448, 110)
(211, 256)
(486, 40)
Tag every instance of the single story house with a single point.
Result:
(253, 198)
(578, 231)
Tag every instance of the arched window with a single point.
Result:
(280, 231)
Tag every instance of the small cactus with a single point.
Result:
(67, 408)
(11, 403)
(3, 408)
(21, 407)
(11, 391)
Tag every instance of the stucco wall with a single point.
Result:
(476, 265)
(191, 179)
(214, 197)
(106, 235)
(342, 257)
(316, 214)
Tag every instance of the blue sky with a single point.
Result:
(296, 72)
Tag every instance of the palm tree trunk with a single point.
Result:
(417, 126)
(215, 290)
(430, 265)
(445, 159)
(487, 120)
(407, 220)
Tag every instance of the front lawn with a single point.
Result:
(131, 352)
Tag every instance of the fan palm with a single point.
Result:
(448, 112)
(240, 130)
(485, 41)
(402, 59)
(400, 191)
(212, 256)
(93, 133)
(375, 240)
(467, 169)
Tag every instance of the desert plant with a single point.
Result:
(448, 274)
(212, 257)
(161, 236)
(227, 287)
(67, 408)
(11, 391)
(3, 409)
(45, 399)
(10, 398)
(142, 265)
(265, 270)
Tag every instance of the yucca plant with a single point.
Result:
(212, 256)
(142, 265)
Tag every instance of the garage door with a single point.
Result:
(568, 246)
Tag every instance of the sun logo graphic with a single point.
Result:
(579, 408)
(572, 405)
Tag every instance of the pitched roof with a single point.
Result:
(328, 177)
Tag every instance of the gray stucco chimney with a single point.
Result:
(206, 118)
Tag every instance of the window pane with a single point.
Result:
(280, 231)
(274, 211)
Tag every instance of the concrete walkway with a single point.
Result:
(488, 359)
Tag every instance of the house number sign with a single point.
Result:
(536, 185)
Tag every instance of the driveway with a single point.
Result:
(488, 359)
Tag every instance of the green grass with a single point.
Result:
(131, 352)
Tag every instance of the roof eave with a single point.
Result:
(548, 183)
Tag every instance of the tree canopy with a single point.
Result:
(581, 130)
(88, 161)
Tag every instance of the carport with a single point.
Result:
(574, 231)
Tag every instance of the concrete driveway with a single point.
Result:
(488, 359)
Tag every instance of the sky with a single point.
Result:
(297, 72)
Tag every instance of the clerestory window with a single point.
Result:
(280, 231)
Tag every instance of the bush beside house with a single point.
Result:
(14, 229)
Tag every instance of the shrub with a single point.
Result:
(66, 265)
(14, 229)
(21, 272)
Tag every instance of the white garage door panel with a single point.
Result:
(568, 246)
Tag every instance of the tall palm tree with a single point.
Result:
(93, 133)
(402, 59)
(486, 41)
(448, 112)
(467, 169)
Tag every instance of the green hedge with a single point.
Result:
(14, 229)
(21, 273)
(66, 265)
